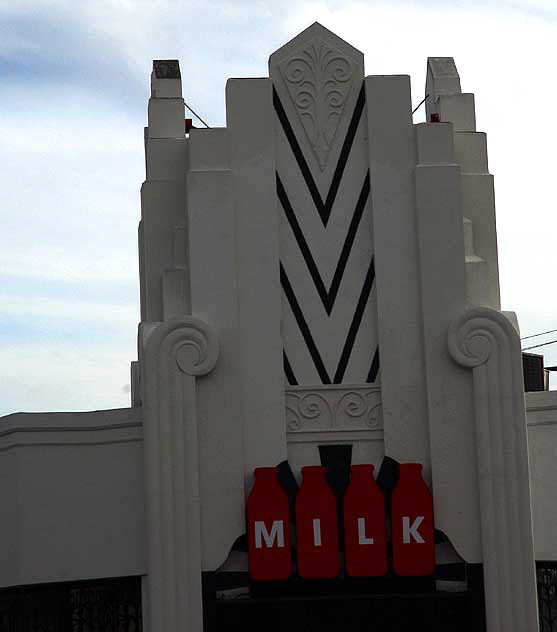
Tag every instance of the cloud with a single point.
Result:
(70, 181)
(54, 378)
(55, 48)
(75, 80)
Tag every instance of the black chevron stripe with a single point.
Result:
(323, 208)
(288, 370)
(374, 368)
(304, 329)
(355, 324)
(350, 338)
(327, 297)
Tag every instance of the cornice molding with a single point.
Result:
(102, 427)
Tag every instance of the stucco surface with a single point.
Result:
(72, 496)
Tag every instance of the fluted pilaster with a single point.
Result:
(173, 355)
(485, 341)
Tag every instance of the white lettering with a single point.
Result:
(362, 539)
(316, 532)
(261, 533)
(411, 530)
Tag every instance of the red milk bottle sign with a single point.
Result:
(268, 518)
(412, 523)
(316, 526)
(365, 534)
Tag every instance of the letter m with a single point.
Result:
(262, 535)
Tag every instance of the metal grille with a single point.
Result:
(547, 595)
(532, 368)
(387, 613)
(112, 605)
(115, 606)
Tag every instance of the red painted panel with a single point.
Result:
(316, 526)
(268, 527)
(412, 524)
(365, 534)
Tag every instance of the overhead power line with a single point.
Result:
(419, 104)
(543, 344)
(196, 115)
(551, 331)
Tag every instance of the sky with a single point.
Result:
(74, 84)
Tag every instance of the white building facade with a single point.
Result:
(319, 286)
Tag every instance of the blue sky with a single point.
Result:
(74, 83)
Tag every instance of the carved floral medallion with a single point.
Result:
(319, 79)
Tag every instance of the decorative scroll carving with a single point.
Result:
(319, 78)
(485, 341)
(198, 349)
(330, 408)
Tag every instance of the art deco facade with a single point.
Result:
(319, 285)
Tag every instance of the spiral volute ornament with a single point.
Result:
(477, 333)
(197, 348)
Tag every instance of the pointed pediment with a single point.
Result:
(318, 71)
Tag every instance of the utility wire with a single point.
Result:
(420, 104)
(551, 331)
(196, 115)
(207, 126)
(543, 344)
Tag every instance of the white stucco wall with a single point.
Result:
(72, 491)
(541, 409)
(72, 496)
